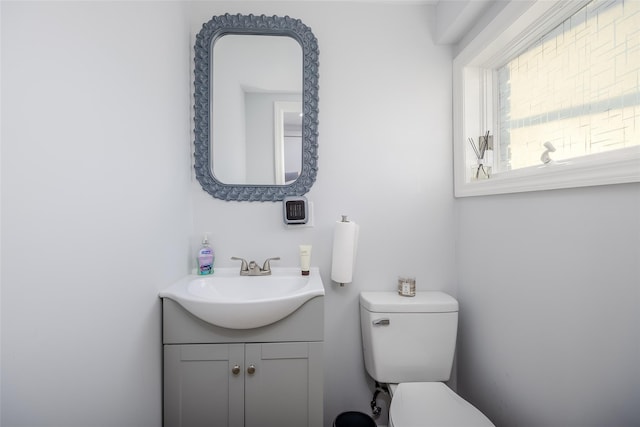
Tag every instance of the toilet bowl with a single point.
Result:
(408, 344)
(432, 404)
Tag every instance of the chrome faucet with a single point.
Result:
(253, 269)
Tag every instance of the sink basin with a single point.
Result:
(232, 301)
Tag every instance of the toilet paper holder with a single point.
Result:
(345, 243)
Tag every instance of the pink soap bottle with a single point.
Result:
(205, 257)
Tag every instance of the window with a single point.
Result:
(558, 87)
(578, 88)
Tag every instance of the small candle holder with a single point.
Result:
(407, 286)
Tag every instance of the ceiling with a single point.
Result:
(454, 18)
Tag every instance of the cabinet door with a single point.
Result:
(285, 389)
(200, 388)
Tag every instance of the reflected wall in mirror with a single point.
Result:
(252, 75)
(256, 107)
(287, 137)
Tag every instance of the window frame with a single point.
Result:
(512, 28)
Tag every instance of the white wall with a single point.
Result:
(95, 206)
(549, 297)
(98, 214)
(95, 173)
(1, 34)
(549, 291)
(384, 160)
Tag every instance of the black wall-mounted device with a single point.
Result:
(296, 210)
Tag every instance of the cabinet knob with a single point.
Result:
(251, 369)
(235, 370)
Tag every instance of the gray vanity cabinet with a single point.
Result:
(199, 388)
(264, 377)
(283, 391)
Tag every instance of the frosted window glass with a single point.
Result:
(577, 87)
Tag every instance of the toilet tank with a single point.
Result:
(408, 339)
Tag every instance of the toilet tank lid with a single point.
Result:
(423, 302)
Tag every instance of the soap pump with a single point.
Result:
(205, 257)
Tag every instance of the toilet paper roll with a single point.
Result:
(345, 243)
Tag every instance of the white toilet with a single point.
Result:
(408, 343)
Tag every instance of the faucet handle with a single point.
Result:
(244, 266)
(267, 266)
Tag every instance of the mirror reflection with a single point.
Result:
(256, 109)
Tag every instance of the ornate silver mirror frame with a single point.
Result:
(222, 25)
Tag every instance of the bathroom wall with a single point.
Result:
(1, 210)
(99, 211)
(95, 206)
(550, 302)
(384, 160)
(0, 223)
(549, 291)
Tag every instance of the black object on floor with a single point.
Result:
(353, 419)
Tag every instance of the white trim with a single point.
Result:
(613, 167)
(279, 108)
(513, 28)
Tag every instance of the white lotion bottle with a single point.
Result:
(305, 259)
(205, 257)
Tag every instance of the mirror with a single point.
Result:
(253, 76)
(256, 107)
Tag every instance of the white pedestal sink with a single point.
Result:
(232, 301)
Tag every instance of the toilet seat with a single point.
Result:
(427, 404)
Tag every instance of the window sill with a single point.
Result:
(615, 167)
